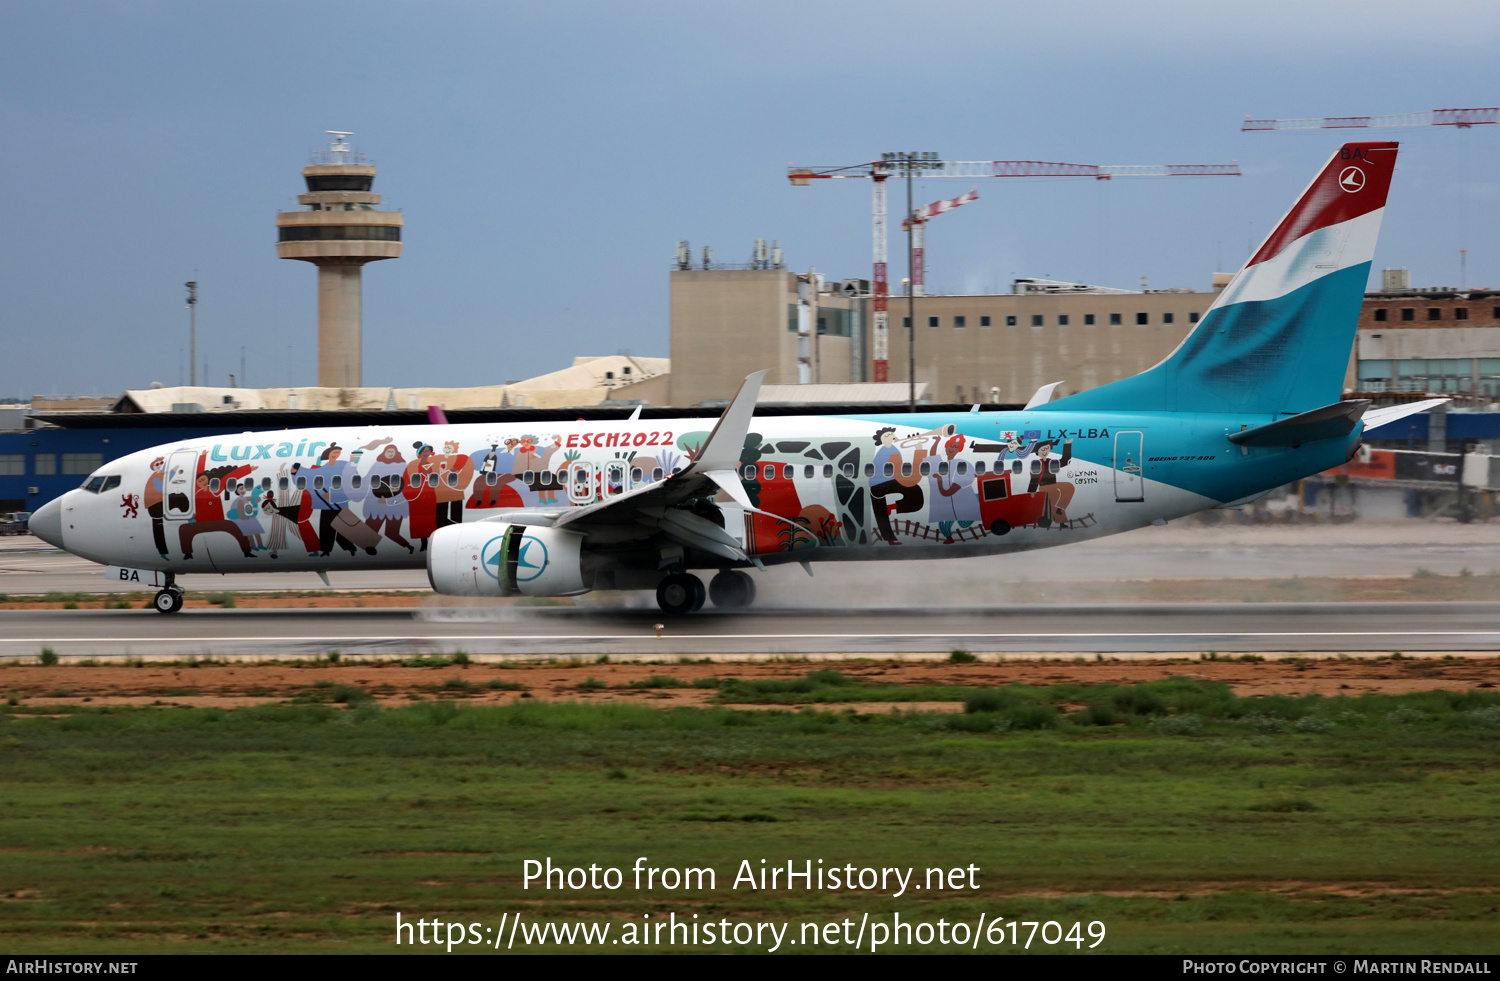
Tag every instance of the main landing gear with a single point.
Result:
(682, 592)
(169, 598)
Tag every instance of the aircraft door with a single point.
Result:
(581, 483)
(178, 478)
(1129, 485)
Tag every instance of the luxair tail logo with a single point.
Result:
(532, 559)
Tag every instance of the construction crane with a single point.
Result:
(929, 165)
(1461, 118)
(917, 225)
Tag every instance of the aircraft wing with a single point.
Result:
(715, 467)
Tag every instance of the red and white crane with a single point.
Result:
(1461, 118)
(918, 225)
(879, 171)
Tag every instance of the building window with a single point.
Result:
(1088, 320)
(1407, 313)
(1433, 313)
(1167, 318)
(1379, 316)
(932, 321)
(1192, 318)
(1036, 320)
(12, 464)
(46, 465)
(340, 233)
(1114, 320)
(1143, 318)
(1010, 321)
(1461, 313)
(906, 323)
(959, 321)
(1062, 320)
(81, 462)
(1497, 313)
(984, 321)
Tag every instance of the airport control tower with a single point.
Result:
(339, 230)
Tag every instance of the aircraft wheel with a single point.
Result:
(680, 593)
(999, 527)
(732, 590)
(168, 601)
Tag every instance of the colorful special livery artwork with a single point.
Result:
(1248, 402)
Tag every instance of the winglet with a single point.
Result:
(722, 449)
(636, 414)
(435, 415)
(1043, 395)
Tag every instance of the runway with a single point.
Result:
(588, 633)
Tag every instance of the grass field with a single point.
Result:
(1184, 818)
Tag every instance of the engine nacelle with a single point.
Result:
(490, 558)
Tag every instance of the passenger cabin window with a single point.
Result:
(926, 468)
(827, 471)
(890, 469)
(870, 469)
(528, 478)
(265, 483)
(302, 483)
(416, 480)
(432, 480)
(769, 471)
(1015, 466)
(356, 481)
(786, 471)
(338, 481)
(979, 467)
(657, 474)
(849, 470)
(213, 484)
(283, 482)
(1036, 465)
(318, 482)
(492, 478)
(637, 475)
(942, 468)
(807, 472)
(963, 468)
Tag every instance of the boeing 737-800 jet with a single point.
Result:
(1249, 401)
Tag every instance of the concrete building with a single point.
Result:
(1443, 341)
(339, 230)
(728, 322)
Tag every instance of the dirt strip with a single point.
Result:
(246, 683)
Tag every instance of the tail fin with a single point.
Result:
(1277, 339)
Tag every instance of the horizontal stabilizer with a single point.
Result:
(1329, 422)
(1390, 413)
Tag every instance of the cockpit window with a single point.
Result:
(94, 485)
(111, 482)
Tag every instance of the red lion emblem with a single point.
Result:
(132, 505)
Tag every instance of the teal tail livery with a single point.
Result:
(1249, 401)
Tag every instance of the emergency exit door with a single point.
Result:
(1129, 485)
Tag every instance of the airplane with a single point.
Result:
(1249, 401)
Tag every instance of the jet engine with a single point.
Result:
(490, 558)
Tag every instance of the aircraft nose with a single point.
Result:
(46, 523)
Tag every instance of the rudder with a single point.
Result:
(1277, 338)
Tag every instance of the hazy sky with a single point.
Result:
(549, 156)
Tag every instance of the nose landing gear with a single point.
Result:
(169, 598)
